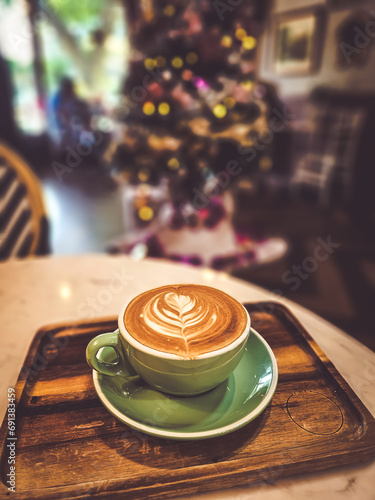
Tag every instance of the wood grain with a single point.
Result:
(69, 446)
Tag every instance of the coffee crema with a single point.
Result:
(187, 320)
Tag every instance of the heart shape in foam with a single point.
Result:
(181, 316)
(185, 319)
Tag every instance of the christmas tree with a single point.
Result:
(191, 111)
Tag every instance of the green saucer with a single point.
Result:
(231, 405)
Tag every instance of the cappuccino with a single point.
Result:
(187, 320)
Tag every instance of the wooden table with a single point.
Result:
(36, 292)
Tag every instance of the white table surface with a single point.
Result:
(37, 292)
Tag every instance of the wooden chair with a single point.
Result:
(23, 221)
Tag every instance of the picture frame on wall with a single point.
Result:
(298, 41)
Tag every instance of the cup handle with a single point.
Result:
(120, 368)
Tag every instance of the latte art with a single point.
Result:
(178, 315)
(187, 320)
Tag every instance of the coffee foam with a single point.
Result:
(187, 320)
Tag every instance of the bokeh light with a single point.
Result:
(161, 61)
(219, 110)
(163, 108)
(230, 102)
(226, 41)
(173, 163)
(177, 62)
(144, 174)
(148, 108)
(169, 10)
(187, 75)
(249, 42)
(240, 33)
(191, 57)
(146, 213)
(247, 85)
(265, 163)
(167, 75)
(149, 63)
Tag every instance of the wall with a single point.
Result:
(298, 86)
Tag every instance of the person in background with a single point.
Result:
(70, 116)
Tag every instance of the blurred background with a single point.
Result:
(235, 135)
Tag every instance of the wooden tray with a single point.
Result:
(69, 446)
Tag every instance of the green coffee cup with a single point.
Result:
(166, 372)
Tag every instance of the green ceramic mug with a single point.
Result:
(165, 371)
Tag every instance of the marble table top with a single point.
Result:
(40, 291)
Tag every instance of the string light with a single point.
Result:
(167, 75)
(247, 85)
(249, 42)
(149, 63)
(246, 184)
(173, 163)
(265, 163)
(226, 41)
(191, 57)
(169, 10)
(229, 102)
(161, 61)
(163, 108)
(146, 213)
(187, 75)
(144, 174)
(219, 110)
(148, 108)
(177, 62)
(200, 83)
(240, 33)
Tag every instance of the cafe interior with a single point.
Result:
(231, 140)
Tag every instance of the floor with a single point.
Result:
(329, 268)
(85, 212)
